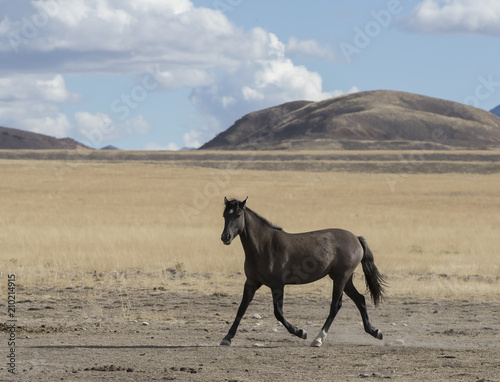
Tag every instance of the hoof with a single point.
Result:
(302, 334)
(379, 335)
(225, 342)
(317, 343)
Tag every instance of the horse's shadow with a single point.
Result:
(117, 347)
(122, 346)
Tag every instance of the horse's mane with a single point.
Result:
(264, 220)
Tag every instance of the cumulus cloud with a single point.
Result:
(153, 146)
(309, 49)
(256, 85)
(192, 139)
(456, 16)
(38, 117)
(114, 36)
(97, 129)
(43, 87)
(231, 71)
(30, 102)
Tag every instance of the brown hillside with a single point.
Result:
(14, 139)
(367, 120)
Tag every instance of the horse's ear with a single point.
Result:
(244, 203)
(225, 200)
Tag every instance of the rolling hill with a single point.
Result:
(379, 119)
(14, 139)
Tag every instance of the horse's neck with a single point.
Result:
(254, 235)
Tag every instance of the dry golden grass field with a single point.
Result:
(76, 222)
(120, 273)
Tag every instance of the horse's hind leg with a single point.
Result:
(360, 302)
(278, 313)
(338, 290)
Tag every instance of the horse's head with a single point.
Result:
(234, 220)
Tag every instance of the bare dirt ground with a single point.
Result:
(63, 335)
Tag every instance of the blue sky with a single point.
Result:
(164, 74)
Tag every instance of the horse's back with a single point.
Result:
(329, 239)
(323, 252)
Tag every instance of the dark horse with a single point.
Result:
(276, 258)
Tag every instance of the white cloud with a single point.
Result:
(153, 146)
(136, 125)
(97, 129)
(338, 92)
(51, 88)
(30, 102)
(253, 86)
(180, 77)
(191, 139)
(309, 49)
(170, 6)
(114, 36)
(456, 16)
(231, 71)
(38, 117)
(55, 124)
(94, 129)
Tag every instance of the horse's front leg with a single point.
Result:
(248, 294)
(278, 313)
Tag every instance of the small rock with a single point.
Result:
(309, 322)
(257, 316)
(145, 323)
(257, 345)
(275, 330)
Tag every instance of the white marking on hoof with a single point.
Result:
(318, 341)
(304, 334)
(380, 336)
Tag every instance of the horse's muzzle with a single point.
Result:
(226, 238)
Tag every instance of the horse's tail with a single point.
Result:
(374, 280)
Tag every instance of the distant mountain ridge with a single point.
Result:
(109, 147)
(381, 119)
(496, 110)
(14, 139)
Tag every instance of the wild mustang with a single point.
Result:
(275, 258)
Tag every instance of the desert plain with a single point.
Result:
(120, 273)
